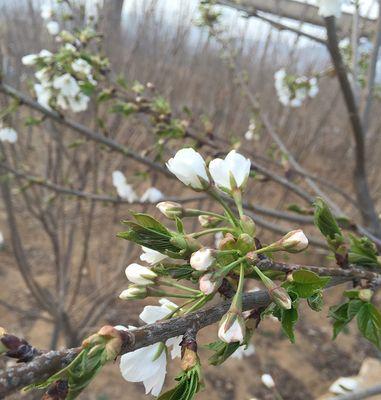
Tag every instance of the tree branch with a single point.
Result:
(364, 199)
(49, 363)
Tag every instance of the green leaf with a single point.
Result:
(327, 224)
(190, 383)
(149, 222)
(316, 301)
(343, 314)
(369, 323)
(222, 351)
(305, 283)
(289, 319)
(362, 251)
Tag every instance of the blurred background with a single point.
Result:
(61, 265)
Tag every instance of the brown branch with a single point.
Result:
(86, 132)
(360, 179)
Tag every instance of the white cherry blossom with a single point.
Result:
(151, 256)
(8, 135)
(152, 195)
(189, 167)
(235, 167)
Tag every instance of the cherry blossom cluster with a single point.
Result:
(169, 257)
(293, 90)
(66, 78)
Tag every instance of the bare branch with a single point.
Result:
(364, 199)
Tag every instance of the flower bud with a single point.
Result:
(294, 241)
(365, 294)
(281, 297)
(227, 243)
(208, 221)
(248, 225)
(207, 284)
(202, 259)
(277, 293)
(170, 209)
(232, 328)
(140, 275)
(245, 243)
(134, 292)
(185, 242)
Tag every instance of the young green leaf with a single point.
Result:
(327, 224)
(362, 251)
(305, 283)
(369, 323)
(222, 351)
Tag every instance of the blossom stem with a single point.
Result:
(211, 230)
(191, 212)
(199, 303)
(213, 193)
(179, 286)
(237, 196)
(225, 270)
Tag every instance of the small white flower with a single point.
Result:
(235, 167)
(206, 285)
(29, 59)
(70, 47)
(62, 102)
(330, 8)
(268, 381)
(189, 167)
(79, 102)
(44, 94)
(151, 256)
(81, 66)
(53, 27)
(249, 135)
(43, 76)
(344, 385)
(233, 334)
(46, 11)
(147, 365)
(314, 88)
(67, 85)
(124, 190)
(140, 275)
(242, 352)
(151, 195)
(151, 314)
(202, 259)
(8, 135)
(46, 54)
